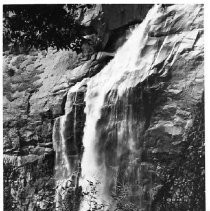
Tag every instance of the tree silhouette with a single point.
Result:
(42, 26)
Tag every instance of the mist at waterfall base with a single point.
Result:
(113, 80)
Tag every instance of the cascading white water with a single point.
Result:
(65, 163)
(62, 165)
(126, 60)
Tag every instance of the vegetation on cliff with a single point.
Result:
(150, 141)
(41, 26)
(183, 177)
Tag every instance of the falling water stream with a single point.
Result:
(126, 60)
(62, 168)
(118, 75)
(66, 163)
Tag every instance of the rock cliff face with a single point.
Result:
(149, 117)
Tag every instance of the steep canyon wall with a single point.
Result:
(131, 117)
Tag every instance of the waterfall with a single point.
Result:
(115, 76)
(67, 160)
(62, 165)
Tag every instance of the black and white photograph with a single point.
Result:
(103, 107)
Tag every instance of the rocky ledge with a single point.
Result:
(168, 93)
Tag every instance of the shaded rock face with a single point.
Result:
(140, 131)
(183, 180)
(108, 24)
(117, 15)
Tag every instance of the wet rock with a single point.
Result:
(157, 104)
(148, 111)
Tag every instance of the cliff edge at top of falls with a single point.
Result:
(36, 86)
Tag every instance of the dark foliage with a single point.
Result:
(184, 180)
(10, 174)
(20, 191)
(42, 26)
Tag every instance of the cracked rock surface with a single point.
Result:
(162, 94)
